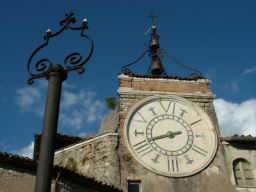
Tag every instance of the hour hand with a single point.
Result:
(169, 134)
(172, 134)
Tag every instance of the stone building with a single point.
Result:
(107, 158)
(163, 136)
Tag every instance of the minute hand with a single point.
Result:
(169, 134)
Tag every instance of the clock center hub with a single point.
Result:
(169, 135)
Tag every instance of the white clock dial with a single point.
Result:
(170, 136)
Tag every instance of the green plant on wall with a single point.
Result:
(111, 102)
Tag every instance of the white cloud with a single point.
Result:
(26, 151)
(77, 110)
(81, 108)
(28, 96)
(236, 118)
(31, 98)
(250, 71)
(69, 99)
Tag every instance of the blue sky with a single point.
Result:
(217, 37)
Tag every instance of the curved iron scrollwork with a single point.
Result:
(72, 62)
(195, 72)
(125, 69)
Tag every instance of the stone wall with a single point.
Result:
(15, 180)
(96, 158)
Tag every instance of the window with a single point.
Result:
(243, 173)
(134, 186)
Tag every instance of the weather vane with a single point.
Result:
(155, 68)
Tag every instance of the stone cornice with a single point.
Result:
(80, 144)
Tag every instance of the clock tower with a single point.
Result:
(168, 131)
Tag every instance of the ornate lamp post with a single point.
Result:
(56, 74)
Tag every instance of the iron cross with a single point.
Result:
(153, 17)
(69, 2)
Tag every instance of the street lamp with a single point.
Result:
(56, 74)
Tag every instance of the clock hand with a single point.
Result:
(169, 134)
(176, 133)
(160, 137)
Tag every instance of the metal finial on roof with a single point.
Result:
(69, 3)
(153, 17)
(156, 68)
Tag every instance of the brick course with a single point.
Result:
(167, 85)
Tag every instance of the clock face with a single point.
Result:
(170, 136)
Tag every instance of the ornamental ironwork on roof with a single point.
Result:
(156, 68)
(188, 78)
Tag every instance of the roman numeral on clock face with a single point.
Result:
(140, 118)
(165, 108)
(195, 122)
(173, 164)
(202, 135)
(136, 133)
(173, 109)
(183, 111)
(152, 110)
(155, 159)
(142, 148)
(199, 150)
(189, 161)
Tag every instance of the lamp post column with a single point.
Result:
(50, 124)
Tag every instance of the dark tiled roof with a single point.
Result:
(73, 176)
(29, 164)
(189, 78)
(242, 141)
(84, 138)
(10, 156)
(64, 137)
(247, 138)
(17, 161)
(61, 141)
